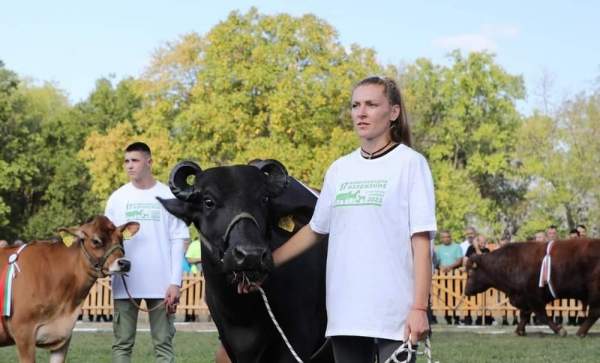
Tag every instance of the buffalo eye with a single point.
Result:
(265, 199)
(208, 203)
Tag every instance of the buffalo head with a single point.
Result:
(230, 208)
(477, 279)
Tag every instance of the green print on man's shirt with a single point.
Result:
(359, 193)
(143, 211)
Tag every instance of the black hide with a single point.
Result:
(296, 290)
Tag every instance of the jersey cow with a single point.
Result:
(52, 280)
(515, 270)
(244, 212)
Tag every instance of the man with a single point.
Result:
(540, 236)
(449, 254)
(156, 252)
(470, 234)
(582, 231)
(194, 256)
(552, 233)
(450, 257)
(574, 233)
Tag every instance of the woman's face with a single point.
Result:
(372, 112)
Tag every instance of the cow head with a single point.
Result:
(230, 208)
(477, 279)
(102, 244)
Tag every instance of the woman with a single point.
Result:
(378, 207)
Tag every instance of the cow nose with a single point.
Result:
(246, 256)
(124, 265)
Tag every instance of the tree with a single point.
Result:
(465, 122)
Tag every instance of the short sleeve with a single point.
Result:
(321, 218)
(421, 196)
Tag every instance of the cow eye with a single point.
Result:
(208, 203)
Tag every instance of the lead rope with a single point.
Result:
(406, 347)
(135, 303)
(285, 339)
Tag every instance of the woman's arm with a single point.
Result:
(417, 324)
(300, 242)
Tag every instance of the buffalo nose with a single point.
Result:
(124, 265)
(249, 256)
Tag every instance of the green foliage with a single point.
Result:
(465, 122)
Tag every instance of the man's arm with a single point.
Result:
(172, 293)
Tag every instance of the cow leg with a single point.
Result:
(60, 355)
(26, 349)
(593, 315)
(557, 329)
(524, 316)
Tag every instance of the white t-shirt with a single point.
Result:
(156, 250)
(371, 208)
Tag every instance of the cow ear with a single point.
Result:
(178, 208)
(129, 229)
(70, 235)
(277, 176)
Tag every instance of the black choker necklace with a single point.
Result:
(369, 155)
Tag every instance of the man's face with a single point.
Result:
(137, 165)
(445, 238)
(540, 237)
(582, 232)
(470, 234)
(552, 234)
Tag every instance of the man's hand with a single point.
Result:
(172, 298)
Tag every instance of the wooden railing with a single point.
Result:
(99, 301)
(446, 298)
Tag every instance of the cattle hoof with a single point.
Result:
(520, 333)
(562, 332)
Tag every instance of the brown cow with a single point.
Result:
(54, 280)
(515, 270)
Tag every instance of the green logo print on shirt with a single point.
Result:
(143, 211)
(357, 193)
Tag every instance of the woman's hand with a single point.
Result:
(417, 326)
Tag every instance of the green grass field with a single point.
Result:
(448, 347)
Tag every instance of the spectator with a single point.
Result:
(504, 240)
(185, 265)
(552, 233)
(540, 236)
(574, 233)
(470, 234)
(448, 254)
(582, 231)
(478, 247)
(194, 256)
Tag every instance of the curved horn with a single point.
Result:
(277, 175)
(178, 180)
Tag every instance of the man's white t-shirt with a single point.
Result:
(371, 208)
(156, 250)
(464, 246)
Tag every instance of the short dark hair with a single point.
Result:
(582, 226)
(574, 231)
(139, 146)
(552, 226)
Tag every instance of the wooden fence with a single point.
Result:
(446, 299)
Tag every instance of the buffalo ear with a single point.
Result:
(277, 175)
(178, 208)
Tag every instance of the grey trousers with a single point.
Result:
(354, 349)
(162, 329)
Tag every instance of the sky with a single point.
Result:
(73, 43)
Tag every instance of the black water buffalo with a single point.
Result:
(244, 212)
(515, 270)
